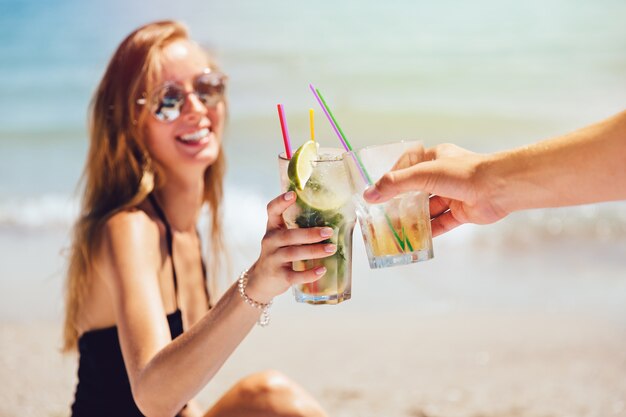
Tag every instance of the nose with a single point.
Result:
(193, 107)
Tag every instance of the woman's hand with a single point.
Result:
(272, 273)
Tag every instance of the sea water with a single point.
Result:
(487, 75)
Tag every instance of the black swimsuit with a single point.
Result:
(103, 388)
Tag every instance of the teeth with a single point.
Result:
(195, 136)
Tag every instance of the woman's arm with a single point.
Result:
(165, 374)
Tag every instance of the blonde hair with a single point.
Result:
(118, 173)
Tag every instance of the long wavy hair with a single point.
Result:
(118, 173)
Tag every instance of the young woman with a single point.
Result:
(138, 308)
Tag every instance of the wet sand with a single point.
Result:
(452, 365)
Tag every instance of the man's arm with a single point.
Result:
(585, 166)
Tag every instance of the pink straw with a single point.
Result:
(283, 128)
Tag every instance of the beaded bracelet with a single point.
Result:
(264, 320)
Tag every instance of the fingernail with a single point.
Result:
(371, 194)
(289, 195)
(330, 248)
(326, 232)
(320, 271)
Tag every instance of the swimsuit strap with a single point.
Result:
(204, 271)
(168, 236)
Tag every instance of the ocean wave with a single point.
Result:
(44, 212)
(603, 222)
(245, 217)
(244, 211)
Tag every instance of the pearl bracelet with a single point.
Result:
(264, 320)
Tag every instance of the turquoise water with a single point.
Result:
(487, 75)
(549, 61)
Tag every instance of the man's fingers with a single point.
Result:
(443, 223)
(397, 182)
(411, 157)
(438, 205)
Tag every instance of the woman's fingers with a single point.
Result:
(300, 253)
(303, 277)
(290, 245)
(286, 237)
(276, 207)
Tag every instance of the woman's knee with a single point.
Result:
(272, 393)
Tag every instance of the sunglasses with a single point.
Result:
(167, 101)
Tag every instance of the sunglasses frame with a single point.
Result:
(156, 104)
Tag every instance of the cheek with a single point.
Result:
(158, 139)
(218, 117)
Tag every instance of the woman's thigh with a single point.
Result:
(266, 394)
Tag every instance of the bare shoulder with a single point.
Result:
(130, 224)
(128, 240)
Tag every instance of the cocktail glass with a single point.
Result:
(325, 201)
(396, 232)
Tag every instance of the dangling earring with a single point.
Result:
(146, 185)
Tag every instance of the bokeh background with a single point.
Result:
(487, 75)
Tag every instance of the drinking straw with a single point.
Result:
(346, 144)
(342, 138)
(312, 124)
(331, 118)
(283, 128)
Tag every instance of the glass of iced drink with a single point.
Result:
(320, 181)
(396, 232)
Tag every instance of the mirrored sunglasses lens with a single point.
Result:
(210, 88)
(168, 103)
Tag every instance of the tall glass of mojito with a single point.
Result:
(320, 181)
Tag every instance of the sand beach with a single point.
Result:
(451, 365)
(517, 332)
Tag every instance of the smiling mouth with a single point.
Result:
(194, 137)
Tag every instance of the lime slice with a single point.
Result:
(301, 164)
(321, 197)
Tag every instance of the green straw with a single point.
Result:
(402, 243)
